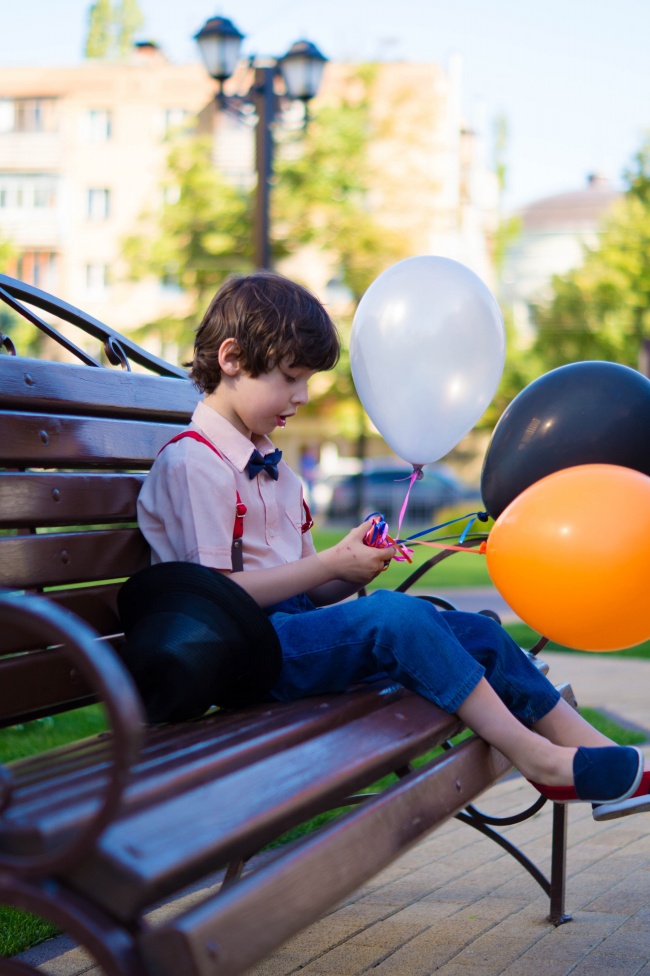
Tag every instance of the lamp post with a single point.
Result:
(301, 70)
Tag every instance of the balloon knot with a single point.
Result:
(419, 473)
(482, 516)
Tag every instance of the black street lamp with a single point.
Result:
(301, 70)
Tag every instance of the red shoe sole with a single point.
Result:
(567, 794)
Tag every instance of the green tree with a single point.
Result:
(100, 29)
(601, 310)
(521, 365)
(323, 185)
(319, 198)
(201, 234)
(128, 21)
(112, 28)
(324, 181)
(7, 253)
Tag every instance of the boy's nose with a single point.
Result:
(301, 394)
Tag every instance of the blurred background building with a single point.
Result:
(83, 152)
(551, 240)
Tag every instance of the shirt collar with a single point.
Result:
(235, 446)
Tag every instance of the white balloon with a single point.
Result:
(427, 353)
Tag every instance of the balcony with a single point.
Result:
(27, 152)
(30, 230)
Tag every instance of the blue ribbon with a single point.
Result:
(472, 516)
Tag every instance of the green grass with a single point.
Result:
(48, 733)
(20, 931)
(460, 569)
(526, 637)
(610, 728)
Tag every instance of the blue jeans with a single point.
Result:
(442, 655)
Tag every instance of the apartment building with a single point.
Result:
(83, 150)
(82, 153)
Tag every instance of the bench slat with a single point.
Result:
(58, 558)
(48, 499)
(182, 756)
(44, 441)
(72, 388)
(96, 605)
(220, 934)
(151, 853)
(23, 699)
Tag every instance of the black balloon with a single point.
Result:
(583, 413)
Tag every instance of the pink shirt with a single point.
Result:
(186, 509)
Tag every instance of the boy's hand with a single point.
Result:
(355, 562)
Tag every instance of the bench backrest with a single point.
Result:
(75, 443)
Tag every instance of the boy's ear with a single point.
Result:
(229, 353)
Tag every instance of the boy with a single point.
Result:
(260, 341)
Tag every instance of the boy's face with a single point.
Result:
(259, 404)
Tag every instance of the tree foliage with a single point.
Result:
(202, 233)
(128, 21)
(112, 28)
(601, 310)
(324, 184)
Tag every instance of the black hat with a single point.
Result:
(195, 639)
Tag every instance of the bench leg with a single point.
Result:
(557, 914)
(233, 872)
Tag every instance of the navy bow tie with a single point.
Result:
(268, 463)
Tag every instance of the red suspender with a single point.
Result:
(309, 522)
(240, 508)
(238, 530)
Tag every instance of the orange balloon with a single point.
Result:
(571, 556)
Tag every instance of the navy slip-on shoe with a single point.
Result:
(607, 774)
(604, 774)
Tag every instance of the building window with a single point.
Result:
(98, 203)
(170, 282)
(173, 120)
(96, 280)
(7, 115)
(27, 191)
(97, 125)
(28, 114)
(38, 268)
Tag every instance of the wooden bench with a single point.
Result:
(94, 834)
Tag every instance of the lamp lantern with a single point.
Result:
(302, 70)
(219, 43)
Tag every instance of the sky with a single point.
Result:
(571, 77)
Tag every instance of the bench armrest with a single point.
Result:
(100, 668)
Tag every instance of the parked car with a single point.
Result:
(382, 488)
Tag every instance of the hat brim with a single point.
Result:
(194, 638)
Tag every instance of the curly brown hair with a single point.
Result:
(272, 319)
